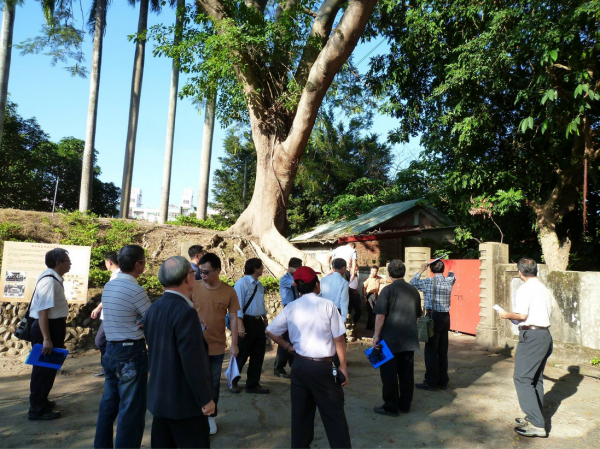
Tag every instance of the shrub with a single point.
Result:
(209, 223)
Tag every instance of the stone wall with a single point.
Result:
(81, 329)
(575, 310)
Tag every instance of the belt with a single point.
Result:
(526, 328)
(140, 341)
(254, 317)
(323, 359)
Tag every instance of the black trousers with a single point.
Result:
(252, 347)
(101, 339)
(436, 351)
(185, 433)
(313, 386)
(355, 305)
(283, 355)
(398, 378)
(42, 379)
(371, 299)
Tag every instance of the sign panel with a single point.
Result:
(23, 262)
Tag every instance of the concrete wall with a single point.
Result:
(575, 319)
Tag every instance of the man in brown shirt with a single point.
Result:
(370, 293)
(213, 300)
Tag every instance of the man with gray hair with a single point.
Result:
(179, 391)
(533, 312)
(125, 362)
(49, 308)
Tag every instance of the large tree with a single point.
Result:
(504, 96)
(272, 64)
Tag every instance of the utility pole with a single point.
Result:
(245, 182)
(55, 192)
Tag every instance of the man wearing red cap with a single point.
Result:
(316, 332)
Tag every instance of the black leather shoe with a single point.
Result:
(425, 386)
(46, 416)
(281, 374)
(258, 390)
(50, 405)
(382, 411)
(234, 389)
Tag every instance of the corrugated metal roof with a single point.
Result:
(366, 222)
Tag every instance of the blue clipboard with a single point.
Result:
(384, 355)
(53, 360)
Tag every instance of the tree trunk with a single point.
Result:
(87, 171)
(265, 217)
(8, 25)
(278, 156)
(207, 139)
(134, 109)
(556, 252)
(167, 165)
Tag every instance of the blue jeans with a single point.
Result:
(125, 388)
(216, 366)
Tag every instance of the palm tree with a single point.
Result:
(97, 21)
(134, 102)
(8, 25)
(207, 138)
(166, 183)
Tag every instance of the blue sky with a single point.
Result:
(59, 102)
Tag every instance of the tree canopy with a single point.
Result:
(30, 164)
(504, 99)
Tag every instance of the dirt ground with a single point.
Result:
(477, 410)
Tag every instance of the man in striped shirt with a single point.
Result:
(125, 362)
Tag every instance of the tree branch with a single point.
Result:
(326, 65)
(320, 31)
(245, 73)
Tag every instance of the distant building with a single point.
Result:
(187, 202)
(135, 200)
(139, 212)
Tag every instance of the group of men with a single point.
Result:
(179, 343)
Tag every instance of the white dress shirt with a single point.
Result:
(312, 322)
(49, 295)
(533, 299)
(335, 288)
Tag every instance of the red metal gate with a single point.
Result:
(464, 303)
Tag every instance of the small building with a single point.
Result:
(382, 234)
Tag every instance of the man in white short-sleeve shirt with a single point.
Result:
(533, 312)
(316, 332)
(50, 309)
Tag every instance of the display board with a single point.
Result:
(23, 262)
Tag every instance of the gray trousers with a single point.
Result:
(533, 350)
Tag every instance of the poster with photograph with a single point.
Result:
(23, 262)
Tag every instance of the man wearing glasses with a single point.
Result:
(213, 300)
(125, 362)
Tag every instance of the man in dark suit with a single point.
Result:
(179, 395)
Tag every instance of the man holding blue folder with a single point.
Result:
(397, 310)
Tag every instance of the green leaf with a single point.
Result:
(554, 55)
